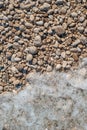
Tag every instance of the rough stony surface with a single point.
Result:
(50, 101)
(40, 36)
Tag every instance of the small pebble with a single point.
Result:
(58, 67)
(76, 42)
(37, 41)
(32, 50)
(59, 30)
(49, 68)
(45, 7)
(29, 57)
(59, 2)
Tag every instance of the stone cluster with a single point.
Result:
(39, 36)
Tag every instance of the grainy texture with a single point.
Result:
(40, 36)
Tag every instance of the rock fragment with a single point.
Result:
(29, 57)
(49, 68)
(37, 41)
(45, 7)
(58, 67)
(32, 50)
(60, 2)
(59, 30)
(76, 42)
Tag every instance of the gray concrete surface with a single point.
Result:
(52, 101)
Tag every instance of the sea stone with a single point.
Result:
(59, 2)
(40, 23)
(76, 42)
(28, 25)
(59, 30)
(32, 50)
(45, 7)
(63, 54)
(49, 68)
(58, 67)
(29, 57)
(37, 41)
(80, 29)
(74, 14)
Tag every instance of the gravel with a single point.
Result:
(38, 35)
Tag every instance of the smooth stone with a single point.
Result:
(80, 29)
(81, 19)
(37, 41)
(63, 54)
(40, 23)
(59, 2)
(76, 42)
(64, 64)
(28, 25)
(59, 30)
(45, 7)
(14, 69)
(74, 14)
(49, 68)
(58, 67)
(29, 57)
(32, 50)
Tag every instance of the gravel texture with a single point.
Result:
(51, 101)
(40, 36)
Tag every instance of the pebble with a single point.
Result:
(59, 2)
(29, 57)
(45, 7)
(74, 14)
(32, 50)
(40, 62)
(14, 69)
(59, 30)
(81, 19)
(83, 40)
(58, 67)
(63, 55)
(63, 10)
(31, 18)
(15, 59)
(80, 29)
(64, 64)
(28, 25)
(37, 41)
(22, 27)
(49, 68)
(16, 38)
(40, 23)
(75, 57)
(76, 42)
